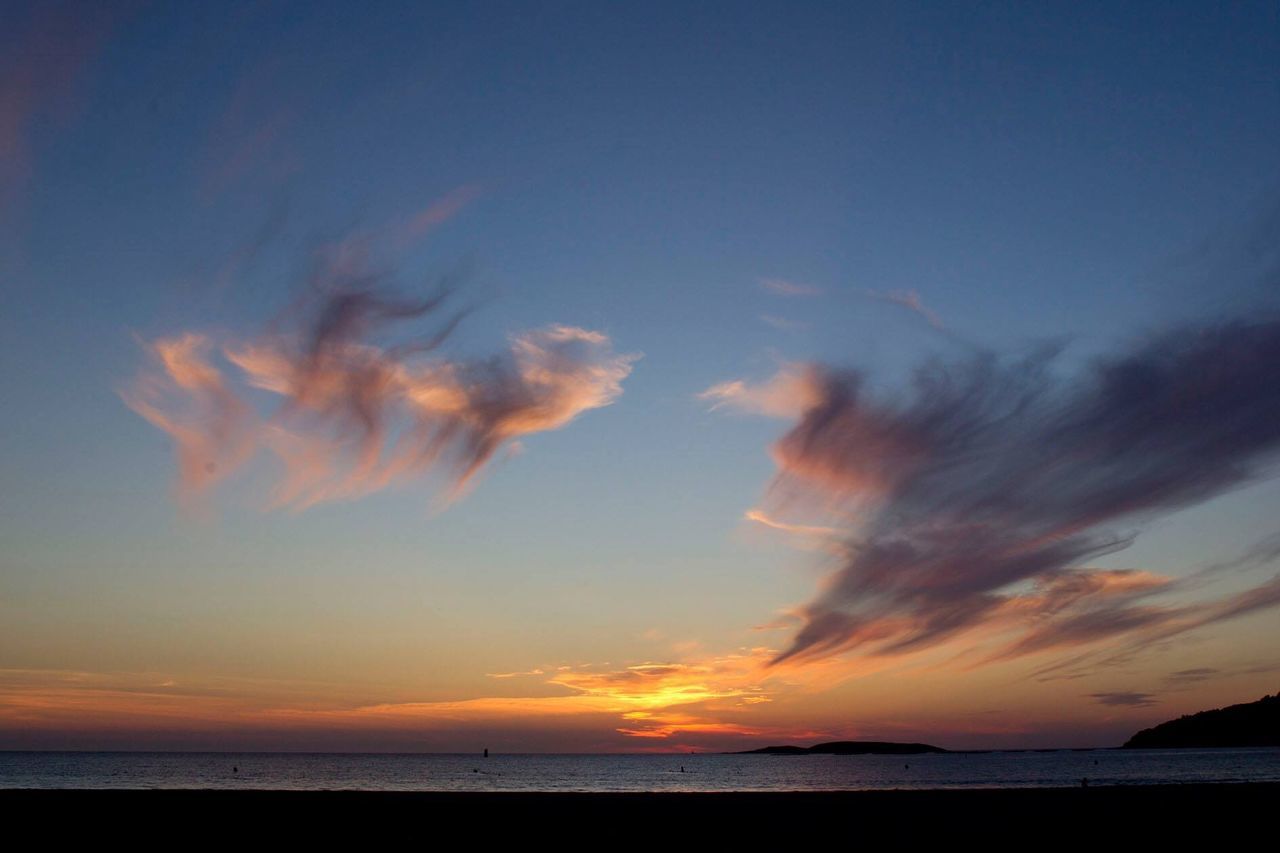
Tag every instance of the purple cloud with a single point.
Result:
(990, 483)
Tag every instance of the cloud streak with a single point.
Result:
(984, 490)
(1186, 677)
(911, 301)
(783, 324)
(356, 415)
(1124, 699)
(439, 212)
(249, 139)
(783, 287)
(45, 58)
(792, 391)
(809, 530)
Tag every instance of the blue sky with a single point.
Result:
(1057, 171)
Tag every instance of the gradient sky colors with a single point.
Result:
(629, 377)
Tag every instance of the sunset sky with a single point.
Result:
(632, 377)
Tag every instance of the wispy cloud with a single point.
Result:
(525, 674)
(910, 300)
(1185, 677)
(759, 516)
(357, 416)
(213, 430)
(43, 60)
(783, 324)
(983, 491)
(439, 212)
(791, 391)
(249, 138)
(783, 287)
(1124, 699)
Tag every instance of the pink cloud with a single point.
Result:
(356, 417)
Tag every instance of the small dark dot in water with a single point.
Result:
(235, 769)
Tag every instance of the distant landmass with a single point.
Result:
(1250, 724)
(848, 747)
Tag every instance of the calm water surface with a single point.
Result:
(630, 772)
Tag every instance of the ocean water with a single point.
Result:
(702, 772)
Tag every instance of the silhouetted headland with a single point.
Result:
(1249, 724)
(848, 747)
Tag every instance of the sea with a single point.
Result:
(668, 772)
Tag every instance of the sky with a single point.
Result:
(606, 377)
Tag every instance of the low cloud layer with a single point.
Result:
(355, 415)
(717, 701)
(982, 492)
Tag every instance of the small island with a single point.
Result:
(1249, 724)
(848, 747)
